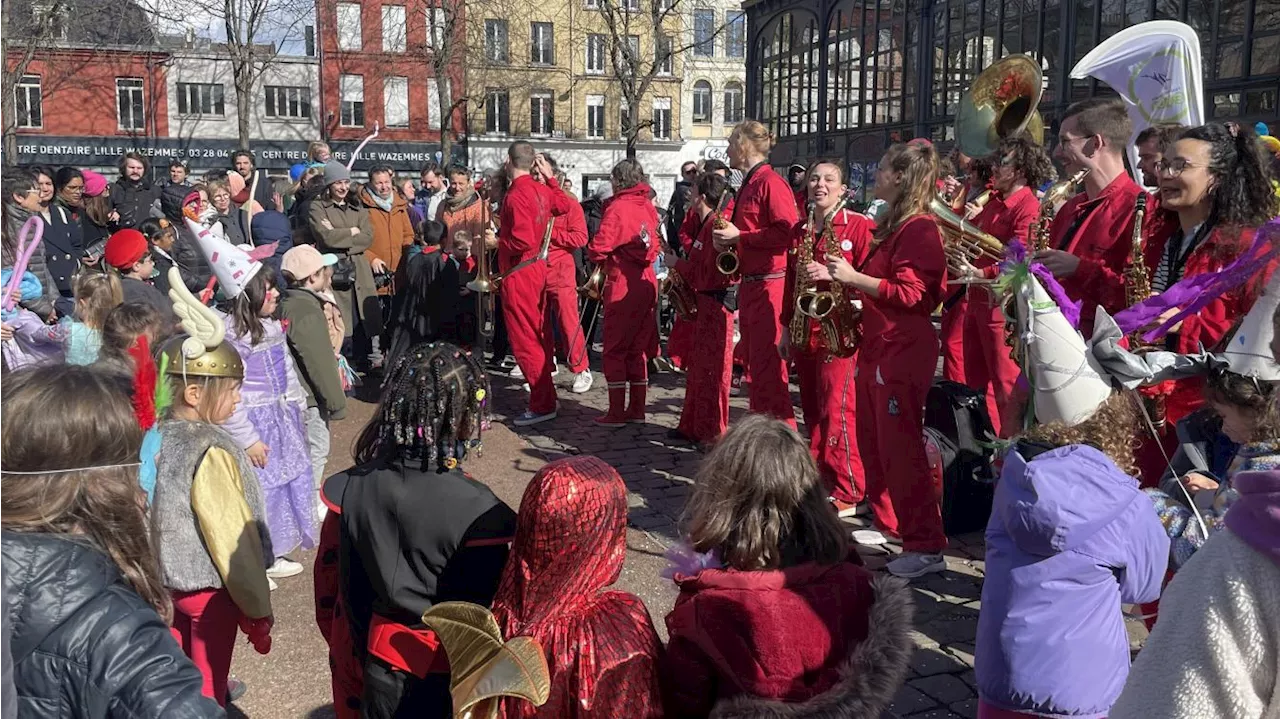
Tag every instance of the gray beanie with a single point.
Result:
(335, 172)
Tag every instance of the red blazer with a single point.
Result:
(852, 232)
(1102, 243)
(526, 208)
(765, 212)
(913, 271)
(619, 239)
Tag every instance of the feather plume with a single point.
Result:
(164, 395)
(144, 383)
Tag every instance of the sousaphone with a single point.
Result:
(1001, 103)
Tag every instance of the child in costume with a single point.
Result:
(777, 610)
(600, 644)
(1071, 536)
(412, 530)
(34, 340)
(96, 294)
(208, 512)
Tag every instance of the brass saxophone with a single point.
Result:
(1057, 193)
(727, 261)
(839, 321)
(1137, 287)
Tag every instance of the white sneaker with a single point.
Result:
(913, 564)
(516, 373)
(555, 369)
(869, 537)
(529, 418)
(271, 585)
(284, 567)
(322, 511)
(582, 381)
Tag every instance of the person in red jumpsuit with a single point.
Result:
(1010, 214)
(827, 393)
(567, 234)
(627, 243)
(902, 282)
(764, 214)
(1092, 233)
(705, 414)
(527, 207)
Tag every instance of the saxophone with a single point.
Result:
(1137, 287)
(1057, 193)
(839, 321)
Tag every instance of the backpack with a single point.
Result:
(956, 425)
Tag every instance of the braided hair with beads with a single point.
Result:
(433, 409)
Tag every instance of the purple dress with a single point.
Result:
(34, 342)
(272, 410)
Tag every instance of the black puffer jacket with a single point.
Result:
(134, 201)
(84, 644)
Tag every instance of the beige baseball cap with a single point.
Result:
(304, 260)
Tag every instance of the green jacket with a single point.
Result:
(308, 335)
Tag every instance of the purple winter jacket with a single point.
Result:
(1070, 539)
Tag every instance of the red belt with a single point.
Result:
(416, 651)
(762, 278)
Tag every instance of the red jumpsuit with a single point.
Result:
(680, 344)
(765, 212)
(627, 242)
(896, 364)
(1102, 239)
(988, 365)
(705, 413)
(953, 314)
(526, 209)
(827, 393)
(568, 234)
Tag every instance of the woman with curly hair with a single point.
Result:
(1020, 167)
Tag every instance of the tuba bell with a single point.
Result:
(1001, 103)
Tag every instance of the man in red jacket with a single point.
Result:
(1090, 238)
(527, 207)
(764, 214)
(568, 234)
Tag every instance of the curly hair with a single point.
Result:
(1029, 159)
(433, 408)
(918, 164)
(1250, 396)
(1112, 430)
(1241, 193)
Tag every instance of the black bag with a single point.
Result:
(956, 422)
(344, 273)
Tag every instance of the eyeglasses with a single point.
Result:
(1174, 167)
(1064, 140)
(74, 188)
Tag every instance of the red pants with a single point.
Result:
(524, 308)
(630, 326)
(988, 366)
(829, 400)
(760, 307)
(952, 338)
(891, 395)
(206, 624)
(705, 414)
(740, 352)
(680, 344)
(562, 312)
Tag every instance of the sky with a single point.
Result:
(284, 26)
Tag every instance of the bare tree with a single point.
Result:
(255, 29)
(444, 50)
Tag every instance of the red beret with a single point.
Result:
(125, 248)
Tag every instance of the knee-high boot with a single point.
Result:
(617, 414)
(635, 412)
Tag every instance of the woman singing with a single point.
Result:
(902, 282)
(827, 393)
(627, 242)
(708, 370)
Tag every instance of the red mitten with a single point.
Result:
(258, 631)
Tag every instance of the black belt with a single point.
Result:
(766, 276)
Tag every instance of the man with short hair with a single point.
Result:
(432, 192)
(797, 175)
(1089, 242)
(178, 173)
(1151, 144)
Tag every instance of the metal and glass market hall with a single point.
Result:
(842, 78)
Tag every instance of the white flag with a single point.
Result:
(1156, 68)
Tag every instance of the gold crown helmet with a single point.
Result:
(203, 351)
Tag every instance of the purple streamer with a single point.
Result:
(1070, 310)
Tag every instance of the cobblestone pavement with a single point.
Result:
(659, 476)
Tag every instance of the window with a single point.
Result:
(436, 25)
(591, 4)
(200, 99)
(662, 118)
(395, 101)
(596, 45)
(631, 5)
(288, 101)
(704, 32)
(130, 108)
(393, 28)
(542, 43)
(27, 101)
(56, 21)
(495, 41)
(351, 89)
(595, 115)
(433, 101)
(624, 120)
(349, 34)
(702, 102)
(662, 55)
(735, 34)
(629, 54)
(497, 111)
(541, 113)
(733, 103)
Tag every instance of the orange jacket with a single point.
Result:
(392, 231)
